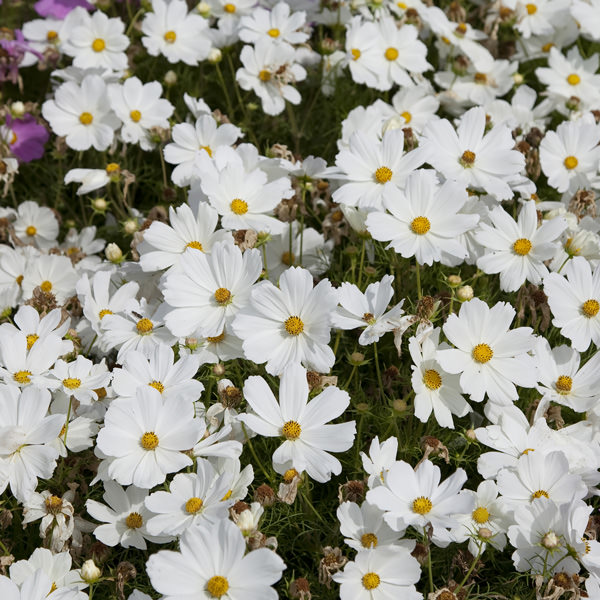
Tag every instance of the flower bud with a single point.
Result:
(131, 226)
(470, 435)
(399, 405)
(215, 56)
(219, 369)
(203, 8)
(550, 541)
(464, 293)
(90, 572)
(454, 280)
(113, 253)
(356, 358)
(485, 533)
(17, 109)
(518, 78)
(170, 78)
(99, 204)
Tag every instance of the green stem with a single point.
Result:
(265, 261)
(466, 577)
(254, 455)
(379, 380)
(225, 92)
(418, 272)
(429, 565)
(362, 263)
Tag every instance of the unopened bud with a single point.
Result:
(362, 407)
(90, 572)
(399, 405)
(131, 226)
(464, 293)
(518, 78)
(393, 123)
(17, 109)
(113, 253)
(215, 55)
(454, 280)
(99, 204)
(550, 541)
(485, 533)
(357, 358)
(170, 78)
(203, 8)
(219, 369)
(470, 435)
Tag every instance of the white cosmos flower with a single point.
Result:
(277, 25)
(147, 436)
(79, 380)
(415, 106)
(416, 498)
(164, 245)
(37, 587)
(56, 566)
(51, 273)
(176, 34)
(92, 179)
(220, 348)
(269, 70)
(517, 250)
(125, 519)
(379, 574)
(372, 169)
(575, 302)
(207, 291)
(192, 141)
(435, 390)
(379, 460)
(473, 157)
(140, 107)
(490, 358)
(587, 15)
(367, 310)
(173, 379)
(35, 224)
(289, 324)
(82, 113)
(193, 500)
(303, 424)
(26, 431)
(210, 563)
(424, 219)
(94, 40)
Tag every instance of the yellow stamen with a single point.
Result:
(170, 37)
(369, 540)
(383, 174)
(217, 586)
(432, 379)
(570, 162)
(193, 505)
(85, 118)
(391, 54)
(135, 115)
(71, 383)
(291, 430)
(223, 296)
(370, 581)
(149, 440)
(482, 353)
(522, 246)
(144, 326)
(46, 286)
(238, 206)
(481, 515)
(134, 520)
(422, 505)
(98, 45)
(294, 325)
(420, 225)
(590, 308)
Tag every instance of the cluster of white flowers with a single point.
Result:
(108, 353)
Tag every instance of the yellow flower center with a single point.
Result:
(288, 258)
(112, 168)
(355, 53)
(46, 286)
(522, 246)
(391, 54)
(222, 295)
(207, 149)
(98, 45)
(53, 504)
(294, 326)
(144, 326)
(369, 540)
(265, 75)
(420, 225)
(157, 385)
(432, 379)
(289, 475)
(570, 162)
(369, 318)
(274, 32)
(291, 430)
(227, 496)
(193, 505)
(14, 138)
(71, 383)
(31, 231)
(383, 174)
(406, 116)
(531, 9)
(135, 115)
(229, 8)
(546, 47)
(573, 79)
(564, 384)
(32, 338)
(527, 451)
(22, 377)
(539, 494)
(422, 505)
(401, 5)
(134, 520)
(467, 159)
(104, 312)
(480, 78)
(149, 440)
(217, 586)
(590, 308)
(170, 37)
(481, 515)
(217, 338)
(370, 581)
(461, 28)
(482, 353)
(19, 279)
(51, 35)
(239, 207)
(101, 393)
(195, 245)
(85, 118)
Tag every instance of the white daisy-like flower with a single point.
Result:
(490, 358)
(414, 107)
(82, 114)
(92, 179)
(210, 563)
(207, 291)
(303, 424)
(416, 498)
(193, 500)
(79, 380)
(125, 519)
(289, 324)
(95, 40)
(435, 390)
(587, 15)
(140, 107)
(368, 310)
(539, 17)
(42, 34)
(362, 49)
(176, 34)
(380, 458)
(37, 587)
(173, 379)
(424, 220)
(192, 141)
(52, 274)
(35, 224)
(574, 300)
(379, 574)
(146, 437)
(518, 250)
(220, 348)
(56, 566)
(277, 25)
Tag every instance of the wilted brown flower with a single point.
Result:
(333, 560)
